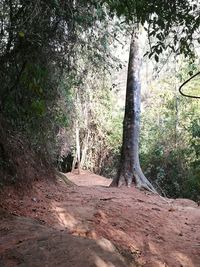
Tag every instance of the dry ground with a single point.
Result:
(89, 224)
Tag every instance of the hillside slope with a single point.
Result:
(148, 229)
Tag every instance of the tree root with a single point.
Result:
(141, 182)
(146, 187)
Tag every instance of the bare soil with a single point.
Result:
(86, 223)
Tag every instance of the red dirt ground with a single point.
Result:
(78, 225)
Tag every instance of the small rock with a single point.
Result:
(171, 209)
(157, 209)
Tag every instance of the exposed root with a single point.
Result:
(142, 181)
(146, 187)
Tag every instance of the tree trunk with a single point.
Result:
(129, 169)
(77, 158)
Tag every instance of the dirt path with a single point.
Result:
(153, 231)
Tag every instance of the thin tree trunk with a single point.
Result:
(78, 151)
(176, 106)
(77, 158)
(129, 169)
(84, 149)
(85, 139)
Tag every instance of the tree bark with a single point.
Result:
(77, 158)
(129, 169)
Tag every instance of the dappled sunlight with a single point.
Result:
(124, 238)
(106, 245)
(101, 263)
(153, 248)
(72, 218)
(64, 218)
(141, 229)
(183, 259)
(158, 263)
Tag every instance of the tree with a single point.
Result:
(130, 169)
(173, 13)
(39, 44)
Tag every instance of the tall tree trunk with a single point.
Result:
(77, 158)
(129, 169)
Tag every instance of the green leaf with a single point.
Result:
(21, 34)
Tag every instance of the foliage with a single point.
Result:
(160, 19)
(170, 135)
(95, 113)
(44, 48)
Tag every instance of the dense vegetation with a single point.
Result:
(60, 101)
(170, 131)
